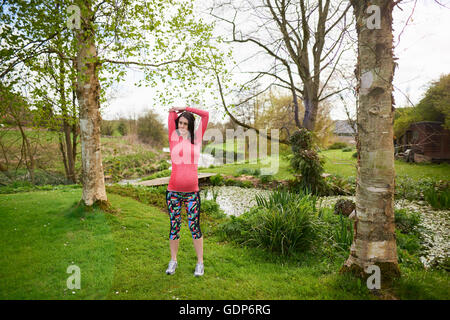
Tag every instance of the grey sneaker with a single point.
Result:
(172, 266)
(199, 270)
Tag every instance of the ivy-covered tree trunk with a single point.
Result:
(88, 96)
(374, 241)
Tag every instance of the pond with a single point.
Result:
(233, 200)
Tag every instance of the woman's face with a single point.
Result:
(183, 125)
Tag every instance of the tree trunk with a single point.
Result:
(374, 241)
(88, 95)
(69, 163)
(69, 151)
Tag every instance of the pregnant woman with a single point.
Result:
(185, 146)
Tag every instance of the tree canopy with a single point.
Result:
(434, 106)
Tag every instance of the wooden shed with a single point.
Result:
(428, 141)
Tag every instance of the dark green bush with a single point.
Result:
(347, 149)
(335, 233)
(163, 165)
(265, 178)
(230, 182)
(216, 180)
(406, 221)
(247, 171)
(438, 197)
(337, 145)
(306, 161)
(212, 209)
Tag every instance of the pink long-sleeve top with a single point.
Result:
(184, 154)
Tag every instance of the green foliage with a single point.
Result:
(335, 234)
(163, 165)
(212, 209)
(216, 180)
(434, 106)
(347, 149)
(436, 193)
(107, 128)
(21, 178)
(284, 223)
(248, 171)
(122, 128)
(306, 161)
(337, 145)
(25, 186)
(159, 174)
(338, 185)
(409, 236)
(118, 166)
(438, 196)
(265, 178)
(406, 221)
(150, 130)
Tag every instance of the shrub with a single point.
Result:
(265, 178)
(283, 223)
(212, 209)
(150, 130)
(406, 221)
(335, 233)
(216, 180)
(159, 174)
(230, 182)
(122, 128)
(306, 161)
(106, 128)
(339, 186)
(438, 198)
(286, 223)
(337, 145)
(347, 149)
(163, 165)
(247, 171)
(247, 184)
(343, 233)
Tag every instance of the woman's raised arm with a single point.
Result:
(203, 124)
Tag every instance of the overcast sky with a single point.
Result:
(423, 53)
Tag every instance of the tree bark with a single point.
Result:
(88, 95)
(374, 241)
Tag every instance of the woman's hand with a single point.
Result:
(177, 109)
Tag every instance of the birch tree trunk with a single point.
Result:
(88, 96)
(374, 241)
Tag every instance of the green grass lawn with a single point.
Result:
(342, 163)
(124, 256)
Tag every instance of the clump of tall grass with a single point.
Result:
(284, 223)
(438, 198)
